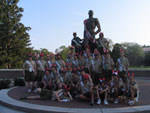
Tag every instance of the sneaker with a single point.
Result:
(99, 101)
(116, 101)
(131, 102)
(106, 102)
(29, 90)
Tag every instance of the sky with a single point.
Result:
(54, 21)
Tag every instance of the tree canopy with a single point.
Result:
(14, 35)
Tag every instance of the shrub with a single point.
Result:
(4, 83)
(19, 81)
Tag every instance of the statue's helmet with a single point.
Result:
(91, 12)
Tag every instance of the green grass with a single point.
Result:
(140, 67)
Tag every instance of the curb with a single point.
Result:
(28, 107)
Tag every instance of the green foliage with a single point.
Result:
(63, 50)
(135, 53)
(147, 59)
(13, 35)
(4, 83)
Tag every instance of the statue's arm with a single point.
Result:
(98, 26)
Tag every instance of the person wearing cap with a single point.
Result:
(87, 61)
(44, 94)
(102, 92)
(102, 43)
(89, 31)
(95, 52)
(40, 66)
(59, 62)
(68, 74)
(59, 65)
(75, 83)
(48, 61)
(114, 87)
(62, 94)
(29, 71)
(80, 61)
(96, 69)
(122, 90)
(57, 78)
(69, 58)
(111, 91)
(47, 80)
(108, 65)
(133, 91)
(86, 88)
(53, 59)
(75, 61)
(122, 65)
(76, 42)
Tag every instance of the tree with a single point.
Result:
(147, 59)
(63, 50)
(134, 53)
(13, 35)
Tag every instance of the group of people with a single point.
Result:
(87, 76)
(88, 73)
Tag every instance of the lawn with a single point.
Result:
(140, 67)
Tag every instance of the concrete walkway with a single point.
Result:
(4, 109)
(27, 107)
(19, 104)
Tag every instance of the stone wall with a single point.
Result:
(10, 73)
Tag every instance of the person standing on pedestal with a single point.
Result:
(76, 43)
(102, 44)
(89, 31)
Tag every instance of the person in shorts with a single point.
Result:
(102, 92)
(29, 71)
(133, 91)
(86, 88)
(96, 69)
(40, 66)
(44, 94)
(108, 65)
(122, 65)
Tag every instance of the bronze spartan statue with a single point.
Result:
(89, 31)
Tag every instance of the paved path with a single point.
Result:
(4, 109)
(100, 109)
